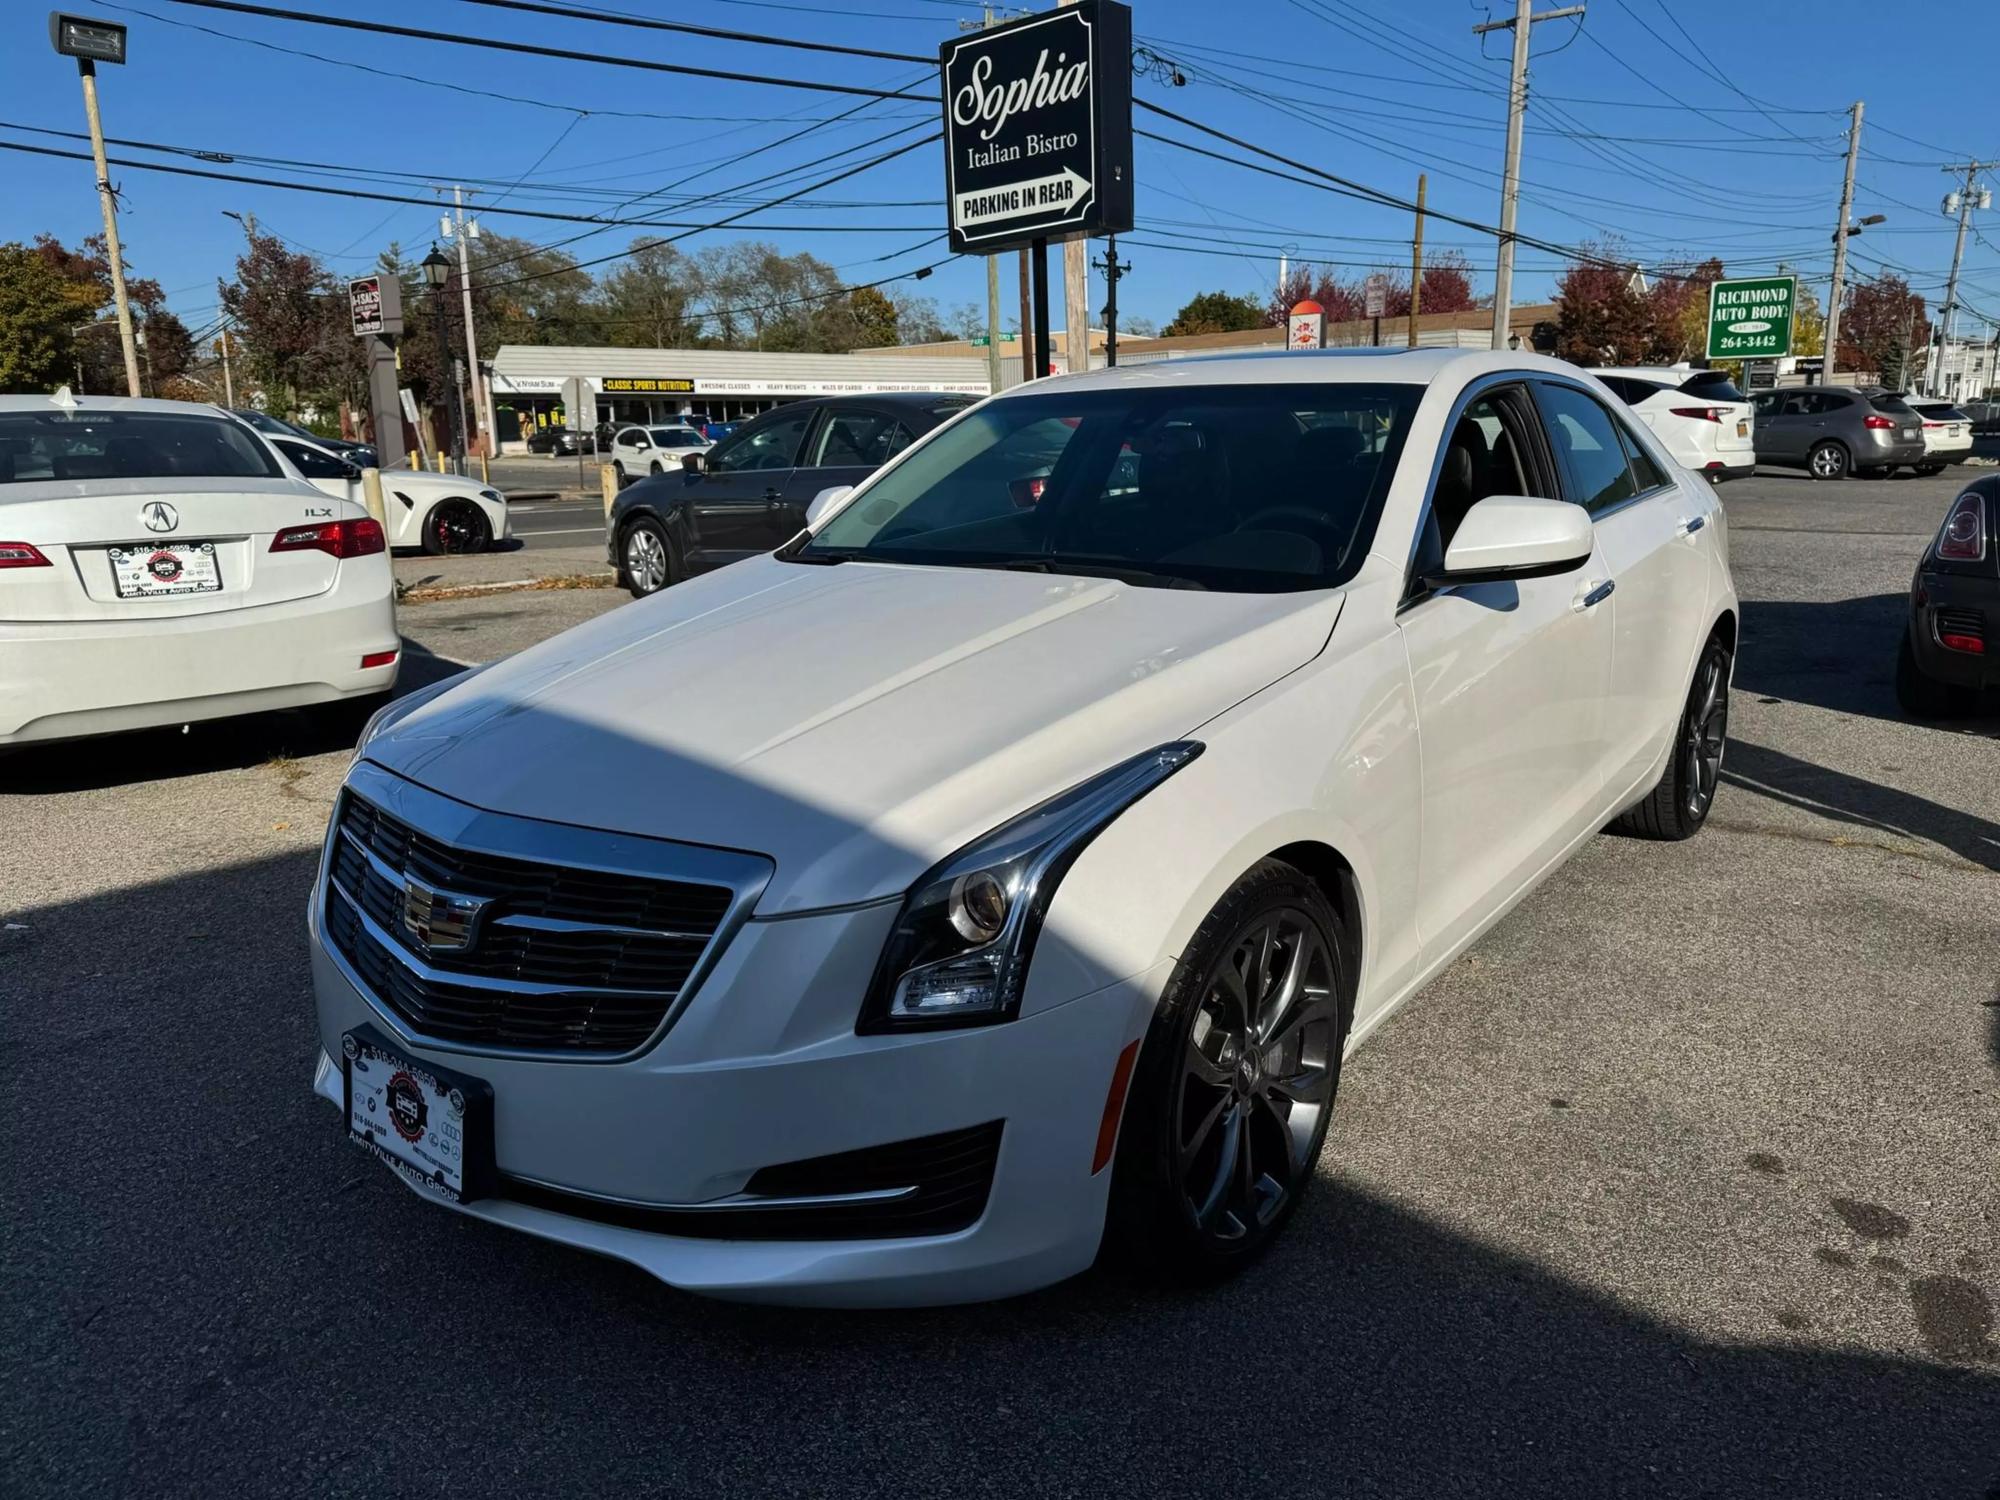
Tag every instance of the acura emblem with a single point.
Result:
(440, 921)
(160, 516)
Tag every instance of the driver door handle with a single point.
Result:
(1589, 595)
(1693, 524)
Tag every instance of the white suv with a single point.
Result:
(1947, 435)
(1707, 424)
(639, 451)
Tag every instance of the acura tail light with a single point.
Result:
(1880, 424)
(359, 538)
(1702, 413)
(1963, 538)
(22, 555)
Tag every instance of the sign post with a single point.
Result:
(1752, 318)
(1038, 138)
(375, 304)
(580, 412)
(1375, 298)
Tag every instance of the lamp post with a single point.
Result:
(437, 273)
(90, 43)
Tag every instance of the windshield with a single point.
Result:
(129, 445)
(1251, 488)
(676, 437)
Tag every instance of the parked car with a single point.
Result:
(362, 455)
(964, 889)
(160, 565)
(1833, 431)
(558, 441)
(749, 492)
(1951, 639)
(638, 451)
(442, 513)
(717, 431)
(1947, 435)
(1706, 423)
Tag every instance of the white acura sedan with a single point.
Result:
(998, 873)
(159, 564)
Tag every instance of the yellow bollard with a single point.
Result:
(413, 460)
(441, 467)
(371, 495)
(485, 474)
(607, 480)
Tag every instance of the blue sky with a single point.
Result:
(1634, 131)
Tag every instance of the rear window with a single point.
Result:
(1939, 411)
(1890, 402)
(1715, 385)
(129, 445)
(1630, 389)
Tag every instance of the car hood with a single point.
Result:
(417, 483)
(856, 723)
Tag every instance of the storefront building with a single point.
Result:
(659, 385)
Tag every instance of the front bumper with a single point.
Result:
(65, 679)
(764, 1068)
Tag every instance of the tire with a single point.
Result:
(646, 562)
(1876, 471)
(618, 469)
(1924, 697)
(1927, 471)
(1678, 807)
(656, 467)
(1196, 1192)
(455, 528)
(1827, 461)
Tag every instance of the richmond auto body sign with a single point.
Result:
(1038, 128)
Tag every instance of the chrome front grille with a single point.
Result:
(587, 953)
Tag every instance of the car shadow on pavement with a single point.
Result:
(1861, 803)
(1837, 654)
(208, 745)
(208, 1290)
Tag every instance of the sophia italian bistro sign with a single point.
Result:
(1038, 128)
(1751, 319)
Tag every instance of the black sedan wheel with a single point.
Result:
(1679, 806)
(646, 557)
(456, 527)
(1236, 1081)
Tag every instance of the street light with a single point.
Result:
(437, 272)
(1860, 224)
(1514, 342)
(92, 42)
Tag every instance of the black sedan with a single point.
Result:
(748, 494)
(361, 455)
(559, 441)
(1951, 645)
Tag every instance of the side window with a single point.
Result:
(853, 439)
(311, 462)
(1648, 474)
(900, 439)
(772, 444)
(1586, 440)
(1489, 453)
(1824, 403)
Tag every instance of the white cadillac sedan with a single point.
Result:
(998, 873)
(159, 564)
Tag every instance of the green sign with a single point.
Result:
(980, 341)
(1751, 319)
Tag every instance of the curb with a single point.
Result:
(554, 584)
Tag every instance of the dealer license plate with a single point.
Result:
(433, 1127)
(155, 572)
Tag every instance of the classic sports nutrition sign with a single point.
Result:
(1038, 128)
(1751, 319)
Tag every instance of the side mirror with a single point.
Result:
(693, 463)
(826, 500)
(351, 472)
(1516, 536)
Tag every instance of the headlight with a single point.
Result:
(398, 709)
(958, 955)
(494, 496)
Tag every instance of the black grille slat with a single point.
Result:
(678, 920)
(952, 1174)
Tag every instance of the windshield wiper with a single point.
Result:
(1138, 577)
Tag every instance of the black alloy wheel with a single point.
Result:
(1679, 805)
(1237, 1080)
(455, 528)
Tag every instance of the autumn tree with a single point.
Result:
(1341, 301)
(292, 325)
(874, 315)
(1447, 287)
(37, 322)
(648, 300)
(1217, 312)
(1603, 319)
(86, 275)
(1677, 312)
(1880, 327)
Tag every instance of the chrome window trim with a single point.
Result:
(463, 826)
(1472, 392)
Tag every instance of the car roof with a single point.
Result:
(1316, 367)
(84, 404)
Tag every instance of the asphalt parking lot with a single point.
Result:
(1684, 1181)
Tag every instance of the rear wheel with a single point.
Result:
(456, 526)
(1924, 697)
(618, 469)
(1875, 471)
(646, 557)
(1827, 461)
(1236, 1085)
(1678, 807)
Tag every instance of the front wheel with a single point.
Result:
(1236, 1081)
(455, 527)
(648, 558)
(1827, 461)
(1678, 807)
(656, 467)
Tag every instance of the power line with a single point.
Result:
(529, 49)
(648, 23)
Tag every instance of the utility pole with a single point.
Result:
(1028, 350)
(1969, 198)
(228, 381)
(479, 412)
(1112, 271)
(1076, 299)
(1522, 23)
(987, 20)
(1417, 261)
(149, 388)
(1841, 232)
(108, 201)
